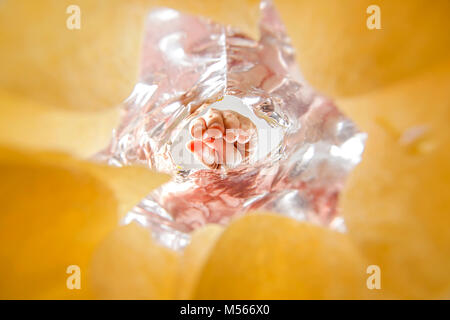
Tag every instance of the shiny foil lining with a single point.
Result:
(190, 63)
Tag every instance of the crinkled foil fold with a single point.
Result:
(189, 63)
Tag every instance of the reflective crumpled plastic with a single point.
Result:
(306, 147)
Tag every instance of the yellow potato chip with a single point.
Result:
(341, 56)
(28, 125)
(52, 217)
(129, 265)
(273, 257)
(194, 257)
(396, 205)
(92, 67)
(408, 110)
(55, 211)
(129, 184)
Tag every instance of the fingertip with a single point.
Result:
(218, 127)
(243, 138)
(198, 128)
(209, 156)
(212, 133)
(230, 136)
(190, 146)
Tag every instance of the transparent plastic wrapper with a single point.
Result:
(296, 150)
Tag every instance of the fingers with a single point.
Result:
(232, 124)
(238, 128)
(198, 128)
(214, 124)
(247, 130)
(243, 137)
(221, 138)
(227, 154)
(203, 153)
(222, 153)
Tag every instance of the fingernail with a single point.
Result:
(212, 133)
(197, 130)
(190, 146)
(230, 136)
(243, 138)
